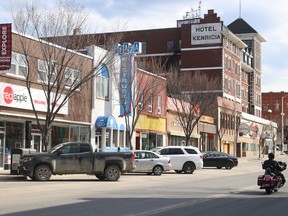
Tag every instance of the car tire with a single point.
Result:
(219, 167)
(101, 177)
(42, 173)
(158, 170)
(188, 168)
(112, 173)
(228, 165)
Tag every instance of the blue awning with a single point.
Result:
(106, 121)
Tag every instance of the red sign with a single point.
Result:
(6, 46)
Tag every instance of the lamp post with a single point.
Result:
(272, 131)
(282, 123)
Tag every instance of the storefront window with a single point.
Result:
(159, 140)
(145, 141)
(14, 135)
(59, 135)
(121, 139)
(84, 134)
(115, 135)
(74, 134)
(108, 131)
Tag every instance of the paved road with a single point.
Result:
(206, 192)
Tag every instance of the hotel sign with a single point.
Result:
(208, 33)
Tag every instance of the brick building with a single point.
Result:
(230, 53)
(275, 106)
(17, 118)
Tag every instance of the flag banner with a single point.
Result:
(6, 46)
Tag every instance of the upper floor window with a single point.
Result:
(72, 77)
(159, 105)
(46, 71)
(141, 100)
(18, 65)
(277, 105)
(102, 82)
(150, 103)
(170, 46)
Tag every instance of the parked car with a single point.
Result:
(76, 158)
(183, 158)
(150, 162)
(219, 160)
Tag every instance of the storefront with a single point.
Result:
(13, 135)
(108, 135)
(150, 132)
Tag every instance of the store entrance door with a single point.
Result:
(2, 149)
(36, 142)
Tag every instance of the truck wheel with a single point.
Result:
(42, 173)
(112, 173)
(101, 177)
(158, 170)
(188, 168)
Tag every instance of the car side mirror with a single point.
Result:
(59, 152)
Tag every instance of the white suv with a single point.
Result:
(183, 158)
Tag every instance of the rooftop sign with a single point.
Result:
(208, 33)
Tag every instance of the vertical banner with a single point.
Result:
(6, 46)
(125, 85)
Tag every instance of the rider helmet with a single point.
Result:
(271, 156)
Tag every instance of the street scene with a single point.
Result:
(184, 112)
(208, 191)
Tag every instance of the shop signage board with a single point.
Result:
(16, 96)
(6, 46)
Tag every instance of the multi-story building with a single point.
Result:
(17, 118)
(230, 53)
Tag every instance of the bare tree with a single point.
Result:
(60, 71)
(141, 87)
(192, 95)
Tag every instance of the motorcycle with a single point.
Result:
(269, 181)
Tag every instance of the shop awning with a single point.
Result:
(106, 121)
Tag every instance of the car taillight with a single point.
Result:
(169, 161)
(133, 157)
(201, 157)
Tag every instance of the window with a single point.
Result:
(170, 46)
(70, 149)
(140, 101)
(190, 151)
(159, 105)
(84, 148)
(102, 83)
(150, 103)
(72, 77)
(46, 71)
(18, 65)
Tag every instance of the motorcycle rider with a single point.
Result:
(276, 168)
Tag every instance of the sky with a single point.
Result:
(268, 18)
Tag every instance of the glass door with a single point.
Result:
(36, 142)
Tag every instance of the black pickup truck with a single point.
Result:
(76, 158)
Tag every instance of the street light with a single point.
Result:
(272, 131)
(282, 124)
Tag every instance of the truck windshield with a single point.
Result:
(55, 148)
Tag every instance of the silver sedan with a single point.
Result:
(150, 162)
